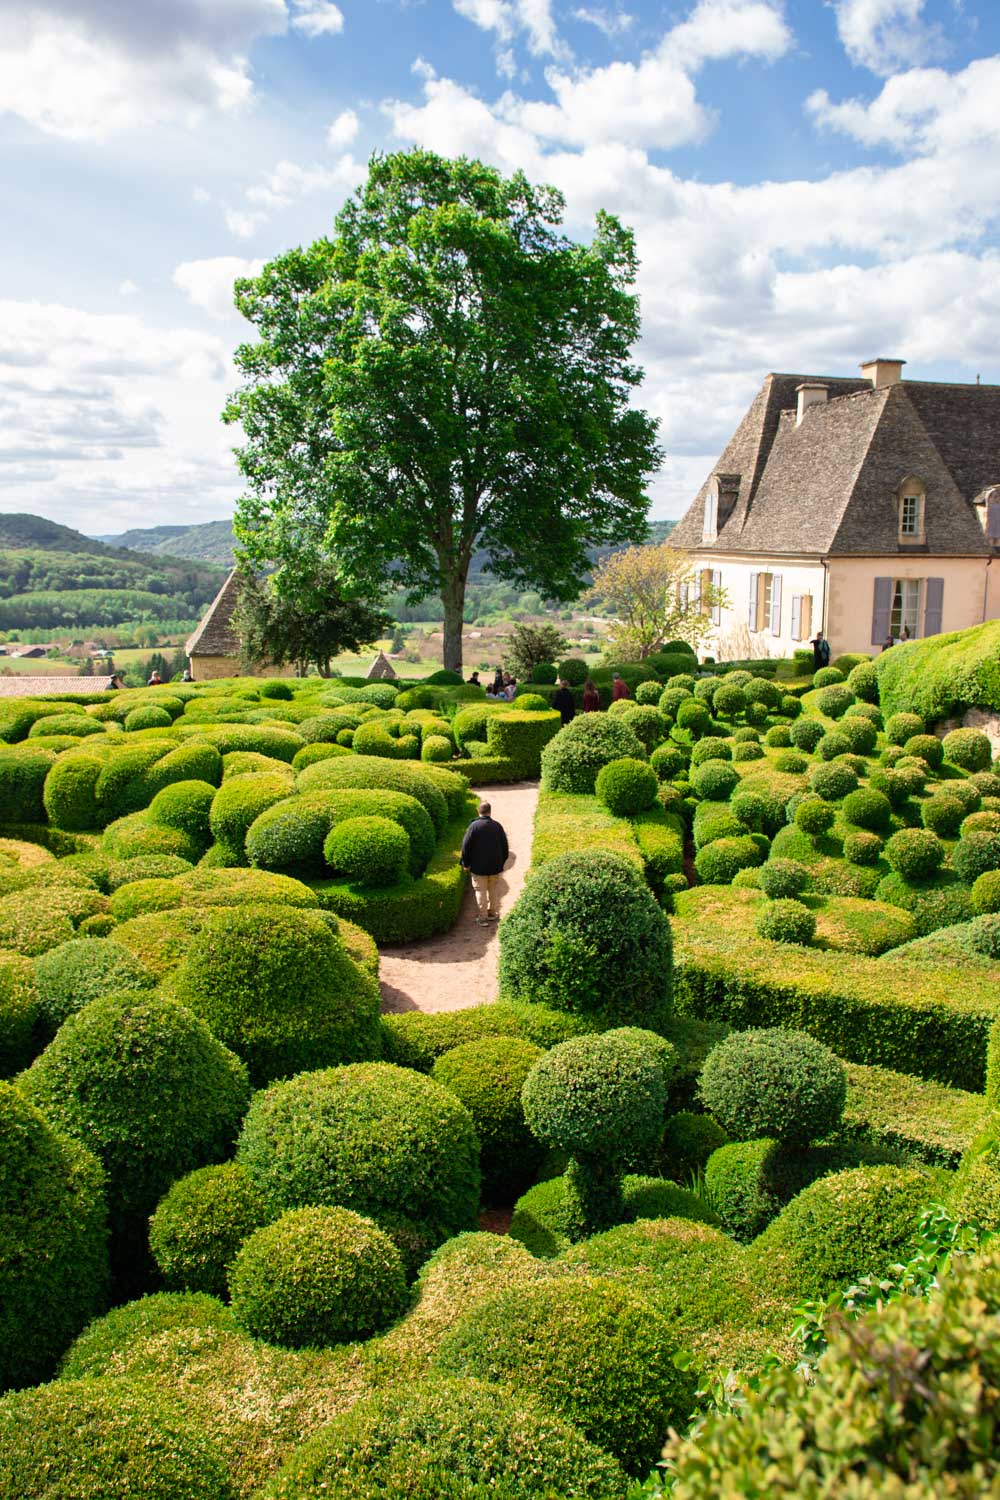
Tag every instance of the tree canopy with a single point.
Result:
(446, 371)
(312, 625)
(657, 595)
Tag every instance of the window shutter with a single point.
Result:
(752, 620)
(776, 604)
(682, 594)
(717, 586)
(933, 605)
(796, 617)
(993, 520)
(880, 611)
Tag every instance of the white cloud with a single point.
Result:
(508, 19)
(288, 183)
(612, 23)
(208, 284)
(343, 130)
(127, 288)
(89, 69)
(317, 18)
(883, 35)
(924, 110)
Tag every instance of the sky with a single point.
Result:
(811, 182)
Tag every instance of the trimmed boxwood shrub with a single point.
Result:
(53, 1265)
(239, 802)
(902, 727)
(861, 734)
(627, 786)
(546, 1216)
(714, 780)
(868, 809)
(588, 1348)
(827, 677)
(758, 808)
(842, 1227)
(688, 1141)
(968, 748)
(966, 792)
(385, 1141)
(487, 1076)
(863, 682)
(437, 748)
(980, 822)
(975, 854)
(775, 1083)
(940, 902)
(185, 805)
(719, 861)
(90, 1439)
(806, 734)
(928, 747)
(144, 1084)
(587, 936)
(862, 848)
(369, 773)
(373, 851)
(19, 1013)
(147, 717)
(833, 781)
(276, 984)
(521, 736)
(572, 759)
(915, 853)
(448, 1439)
(783, 878)
(667, 761)
(317, 1276)
(70, 792)
(600, 1100)
(22, 786)
(832, 745)
(786, 921)
(814, 816)
(730, 700)
(834, 701)
(986, 892)
(695, 717)
(748, 750)
(201, 1223)
(942, 814)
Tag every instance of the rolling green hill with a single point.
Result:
(55, 578)
(212, 541)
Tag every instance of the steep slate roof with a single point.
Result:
(829, 485)
(215, 635)
(45, 687)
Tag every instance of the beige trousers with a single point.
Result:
(485, 887)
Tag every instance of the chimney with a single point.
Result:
(810, 393)
(883, 372)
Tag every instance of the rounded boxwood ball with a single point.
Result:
(814, 816)
(447, 1440)
(70, 976)
(806, 734)
(927, 746)
(714, 780)
(144, 1084)
(975, 854)
(942, 814)
(185, 805)
(986, 892)
(835, 700)
(627, 786)
(277, 985)
(902, 727)
(968, 748)
(827, 677)
(862, 848)
(148, 717)
(387, 1142)
(104, 1343)
(588, 1348)
(574, 756)
(91, 1439)
(842, 1227)
(200, 1224)
(688, 1141)
(868, 809)
(373, 851)
(317, 1276)
(833, 780)
(781, 879)
(915, 853)
(721, 860)
(53, 1241)
(786, 921)
(587, 936)
(774, 1083)
(488, 1076)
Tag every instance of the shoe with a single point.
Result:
(482, 921)
(492, 916)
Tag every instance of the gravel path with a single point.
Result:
(460, 967)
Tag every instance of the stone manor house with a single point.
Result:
(867, 508)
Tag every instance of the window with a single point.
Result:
(904, 612)
(898, 603)
(911, 510)
(765, 602)
(802, 617)
(910, 519)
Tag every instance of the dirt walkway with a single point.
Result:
(460, 967)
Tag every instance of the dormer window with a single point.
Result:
(911, 511)
(710, 525)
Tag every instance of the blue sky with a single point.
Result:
(812, 182)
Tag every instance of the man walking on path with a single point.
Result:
(484, 854)
(562, 701)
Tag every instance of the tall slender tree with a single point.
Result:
(447, 372)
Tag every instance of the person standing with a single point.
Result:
(821, 651)
(484, 853)
(591, 697)
(496, 689)
(619, 688)
(562, 700)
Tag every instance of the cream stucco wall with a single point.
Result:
(852, 591)
(732, 638)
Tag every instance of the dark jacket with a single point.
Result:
(484, 848)
(562, 699)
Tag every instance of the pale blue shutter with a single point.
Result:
(881, 610)
(776, 604)
(796, 617)
(752, 619)
(717, 586)
(933, 605)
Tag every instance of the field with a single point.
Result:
(735, 1108)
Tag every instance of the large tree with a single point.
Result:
(447, 372)
(310, 625)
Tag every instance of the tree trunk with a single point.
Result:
(453, 598)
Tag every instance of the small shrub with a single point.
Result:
(688, 1141)
(942, 814)
(860, 733)
(748, 751)
(371, 850)
(573, 757)
(902, 727)
(827, 677)
(779, 1084)
(70, 976)
(986, 892)
(980, 822)
(834, 701)
(695, 717)
(667, 761)
(239, 802)
(975, 854)
(862, 848)
(317, 1276)
(928, 747)
(730, 700)
(200, 1225)
(863, 682)
(711, 748)
(781, 879)
(100, 1348)
(758, 809)
(814, 816)
(786, 921)
(185, 805)
(627, 786)
(487, 1076)
(714, 780)
(941, 902)
(915, 853)
(968, 748)
(868, 809)
(833, 745)
(718, 862)
(806, 734)
(833, 781)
